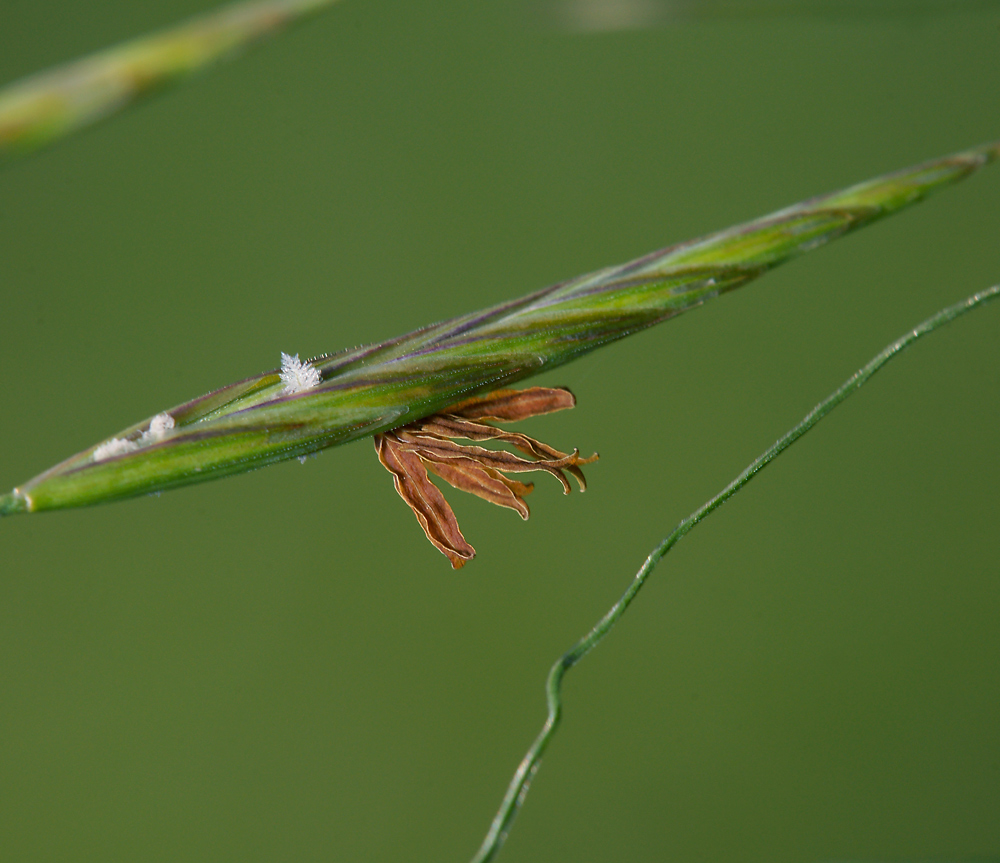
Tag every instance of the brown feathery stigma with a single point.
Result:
(409, 451)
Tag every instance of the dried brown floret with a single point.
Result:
(410, 451)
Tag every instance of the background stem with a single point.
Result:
(519, 785)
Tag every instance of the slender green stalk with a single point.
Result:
(306, 407)
(518, 788)
(38, 110)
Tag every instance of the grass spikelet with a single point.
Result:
(305, 407)
(47, 106)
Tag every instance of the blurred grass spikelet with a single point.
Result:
(377, 388)
(44, 107)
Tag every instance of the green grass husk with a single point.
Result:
(378, 387)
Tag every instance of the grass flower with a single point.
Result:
(113, 447)
(158, 427)
(302, 408)
(410, 451)
(297, 376)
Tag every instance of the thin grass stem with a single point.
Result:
(519, 785)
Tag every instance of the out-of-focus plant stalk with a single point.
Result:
(372, 389)
(50, 105)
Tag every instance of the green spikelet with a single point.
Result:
(305, 407)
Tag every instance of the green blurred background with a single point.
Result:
(280, 667)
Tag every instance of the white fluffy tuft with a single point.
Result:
(298, 376)
(113, 447)
(158, 428)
